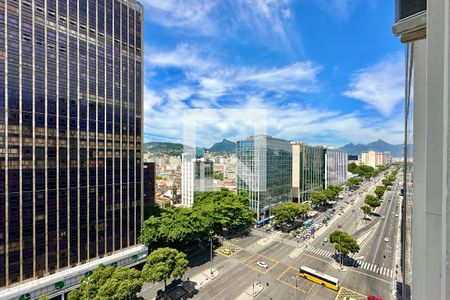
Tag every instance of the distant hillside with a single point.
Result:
(380, 146)
(173, 149)
(225, 146)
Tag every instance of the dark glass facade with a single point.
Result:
(149, 183)
(70, 133)
(308, 170)
(264, 170)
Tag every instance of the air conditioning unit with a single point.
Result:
(410, 19)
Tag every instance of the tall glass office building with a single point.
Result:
(308, 170)
(70, 133)
(264, 170)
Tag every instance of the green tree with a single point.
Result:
(163, 264)
(218, 175)
(152, 210)
(318, 197)
(174, 227)
(354, 181)
(372, 201)
(225, 211)
(344, 243)
(379, 191)
(366, 209)
(287, 212)
(110, 282)
(386, 182)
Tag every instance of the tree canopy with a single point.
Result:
(175, 226)
(379, 191)
(366, 209)
(116, 283)
(354, 181)
(372, 201)
(287, 212)
(163, 264)
(319, 197)
(225, 210)
(152, 210)
(344, 242)
(219, 212)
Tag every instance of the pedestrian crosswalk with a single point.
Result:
(278, 238)
(374, 268)
(319, 251)
(357, 264)
(325, 253)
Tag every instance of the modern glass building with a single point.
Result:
(70, 133)
(308, 170)
(336, 165)
(264, 170)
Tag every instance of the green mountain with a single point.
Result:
(173, 149)
(380, 146)
(225, 146)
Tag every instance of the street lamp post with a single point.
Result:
(210, 240)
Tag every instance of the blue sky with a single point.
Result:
(322, 71)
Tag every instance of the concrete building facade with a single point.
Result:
(374, 159)
(197, 175)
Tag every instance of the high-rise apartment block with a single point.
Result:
(264, 170)
(70, 134)
(308, 170)
(196, 176)
(374, 159)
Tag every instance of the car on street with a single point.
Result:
(386, 239)
(262, 264)
(226, 251)
(373, 297)
(325, 239)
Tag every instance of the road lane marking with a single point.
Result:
(372, 276)
(287, 283)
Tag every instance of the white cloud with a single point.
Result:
(290, 121)
(380, 85)
(182, 14)
(267, 19)
(299, 76)
(183, 56)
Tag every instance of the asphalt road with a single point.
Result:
(239, 271)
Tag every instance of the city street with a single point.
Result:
(240, 276)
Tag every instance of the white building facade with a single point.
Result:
(196, 176)
(374, 159)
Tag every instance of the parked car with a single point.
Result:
(373, 297)
(262, 264)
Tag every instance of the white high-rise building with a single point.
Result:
(196, 176)
(374, 159)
